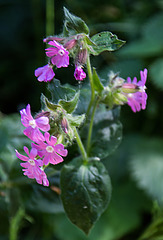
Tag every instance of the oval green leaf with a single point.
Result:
(85, 192)
(73, 24)
(105, 41)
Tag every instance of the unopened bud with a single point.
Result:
(70, 44)
(64, 125)
(81, 57)
(42, 114)
(51, 38)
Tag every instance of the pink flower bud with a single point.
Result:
(50, 38)
(81, 57)
(64, 125)
(43, 114)
(70, 44)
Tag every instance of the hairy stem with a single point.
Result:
(91, 125)
(80, 145)
(91, 83)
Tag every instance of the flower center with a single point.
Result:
(49, 149)
(61, 52)
(32, 162)
(32, 123)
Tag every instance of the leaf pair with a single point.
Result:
(104, 41)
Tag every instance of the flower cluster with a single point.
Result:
(59, 56)
(128, 91)
(45, 149)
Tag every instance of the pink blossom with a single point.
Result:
(58, 54)
(79, 74)
(33, 125)
(50, 151)
(32, 166)
(137, 100)
(45, 73)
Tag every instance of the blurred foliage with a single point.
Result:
(136, 168)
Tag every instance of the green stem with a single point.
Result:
(91, 83)
(49, 17)
(91, 125)
(15, 224)
(80, 145)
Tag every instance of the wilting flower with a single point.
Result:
(45, 73)
(79, 74)
(50, 151)
(32, 166)
(58, 54)
(135, 92)
(33, 126)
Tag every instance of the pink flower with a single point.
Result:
(32, 166)
(50, 151)
(43, 179)
(58, 54)
(33, 125)
(45, 73)
(137, 100)
(79, 74)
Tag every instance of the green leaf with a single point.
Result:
(107, 134)
(63, 96)
(76, 120)
(59, 92)
(156, 72)
(96, 82)
(126, 201)
(74, 24)
(70, 105)
(85, 192)
(85, 95)
(105, 41)
(46, 104)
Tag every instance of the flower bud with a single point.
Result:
(70, 44)
(51, 38)
(64, 125)
(42, 114)
(81, 57)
